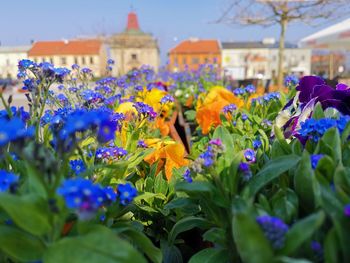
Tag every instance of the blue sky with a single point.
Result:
(169, 21)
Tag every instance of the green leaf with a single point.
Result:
(35, 180)
(20, 245)
(331, 138)
(194, 187)
(171, 253)
(251, 243)
(215, 235)
(280, 138)
(160, 184)
(292, 260)
(284, 206)
(98, 246)
(318, 112)
(179, 202)
(303, 183)
(272, 170)
(190, 115)
(331, 247)
(334, 209)
(149, 197)
(29, 212)
(341, 179)
(185, 224)
(301, 232)
(141, 241)
(226, 138)
(138, 157)
(210, 255)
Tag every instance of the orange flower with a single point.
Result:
(170, 155)
(208, 112)
(163, 126)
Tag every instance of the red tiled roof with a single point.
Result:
(197, 46)
(73, 47)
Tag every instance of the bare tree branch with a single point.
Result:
(283, 13)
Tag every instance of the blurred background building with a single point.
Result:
(9, 57)
(133, 48)
(193, 52)
(90, 53)
(258, 60)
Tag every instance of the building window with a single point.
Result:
(195, 60)
(91, 60)
(51, 60)
(302, 58)
(75, 60)
(273, 58)
(63, 60)
(83, 60)
(7, 62)
(176, 62)
(133, 56)
(206, 60)
(42, 59)
(35, 60)
(184, 60)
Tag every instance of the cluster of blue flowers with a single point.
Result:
(274, 230)
(110, 153)
(244, 117)
(91, 96)
(16, 112)
(244, 168)
(126, 193)
(14, 129)
(167, 99)
(187, 176)
(314, 129)
(8, 181)
(145, 111)
(267, 98)
(250, 89)
(85, 197)
(83, 120)
(44, 71)
(291, 81)
(207, 158)
(249, 155)
(141, 144)
(229, 108)
(77, 166)
(257, 143)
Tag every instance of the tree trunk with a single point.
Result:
(283, 24)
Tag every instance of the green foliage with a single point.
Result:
(100, 245)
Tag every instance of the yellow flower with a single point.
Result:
(152, 98)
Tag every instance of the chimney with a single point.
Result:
(133, 23)
(32, 41)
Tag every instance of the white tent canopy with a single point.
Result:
(333, 37)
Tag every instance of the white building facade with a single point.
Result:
(9, 57)
(259, 60)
